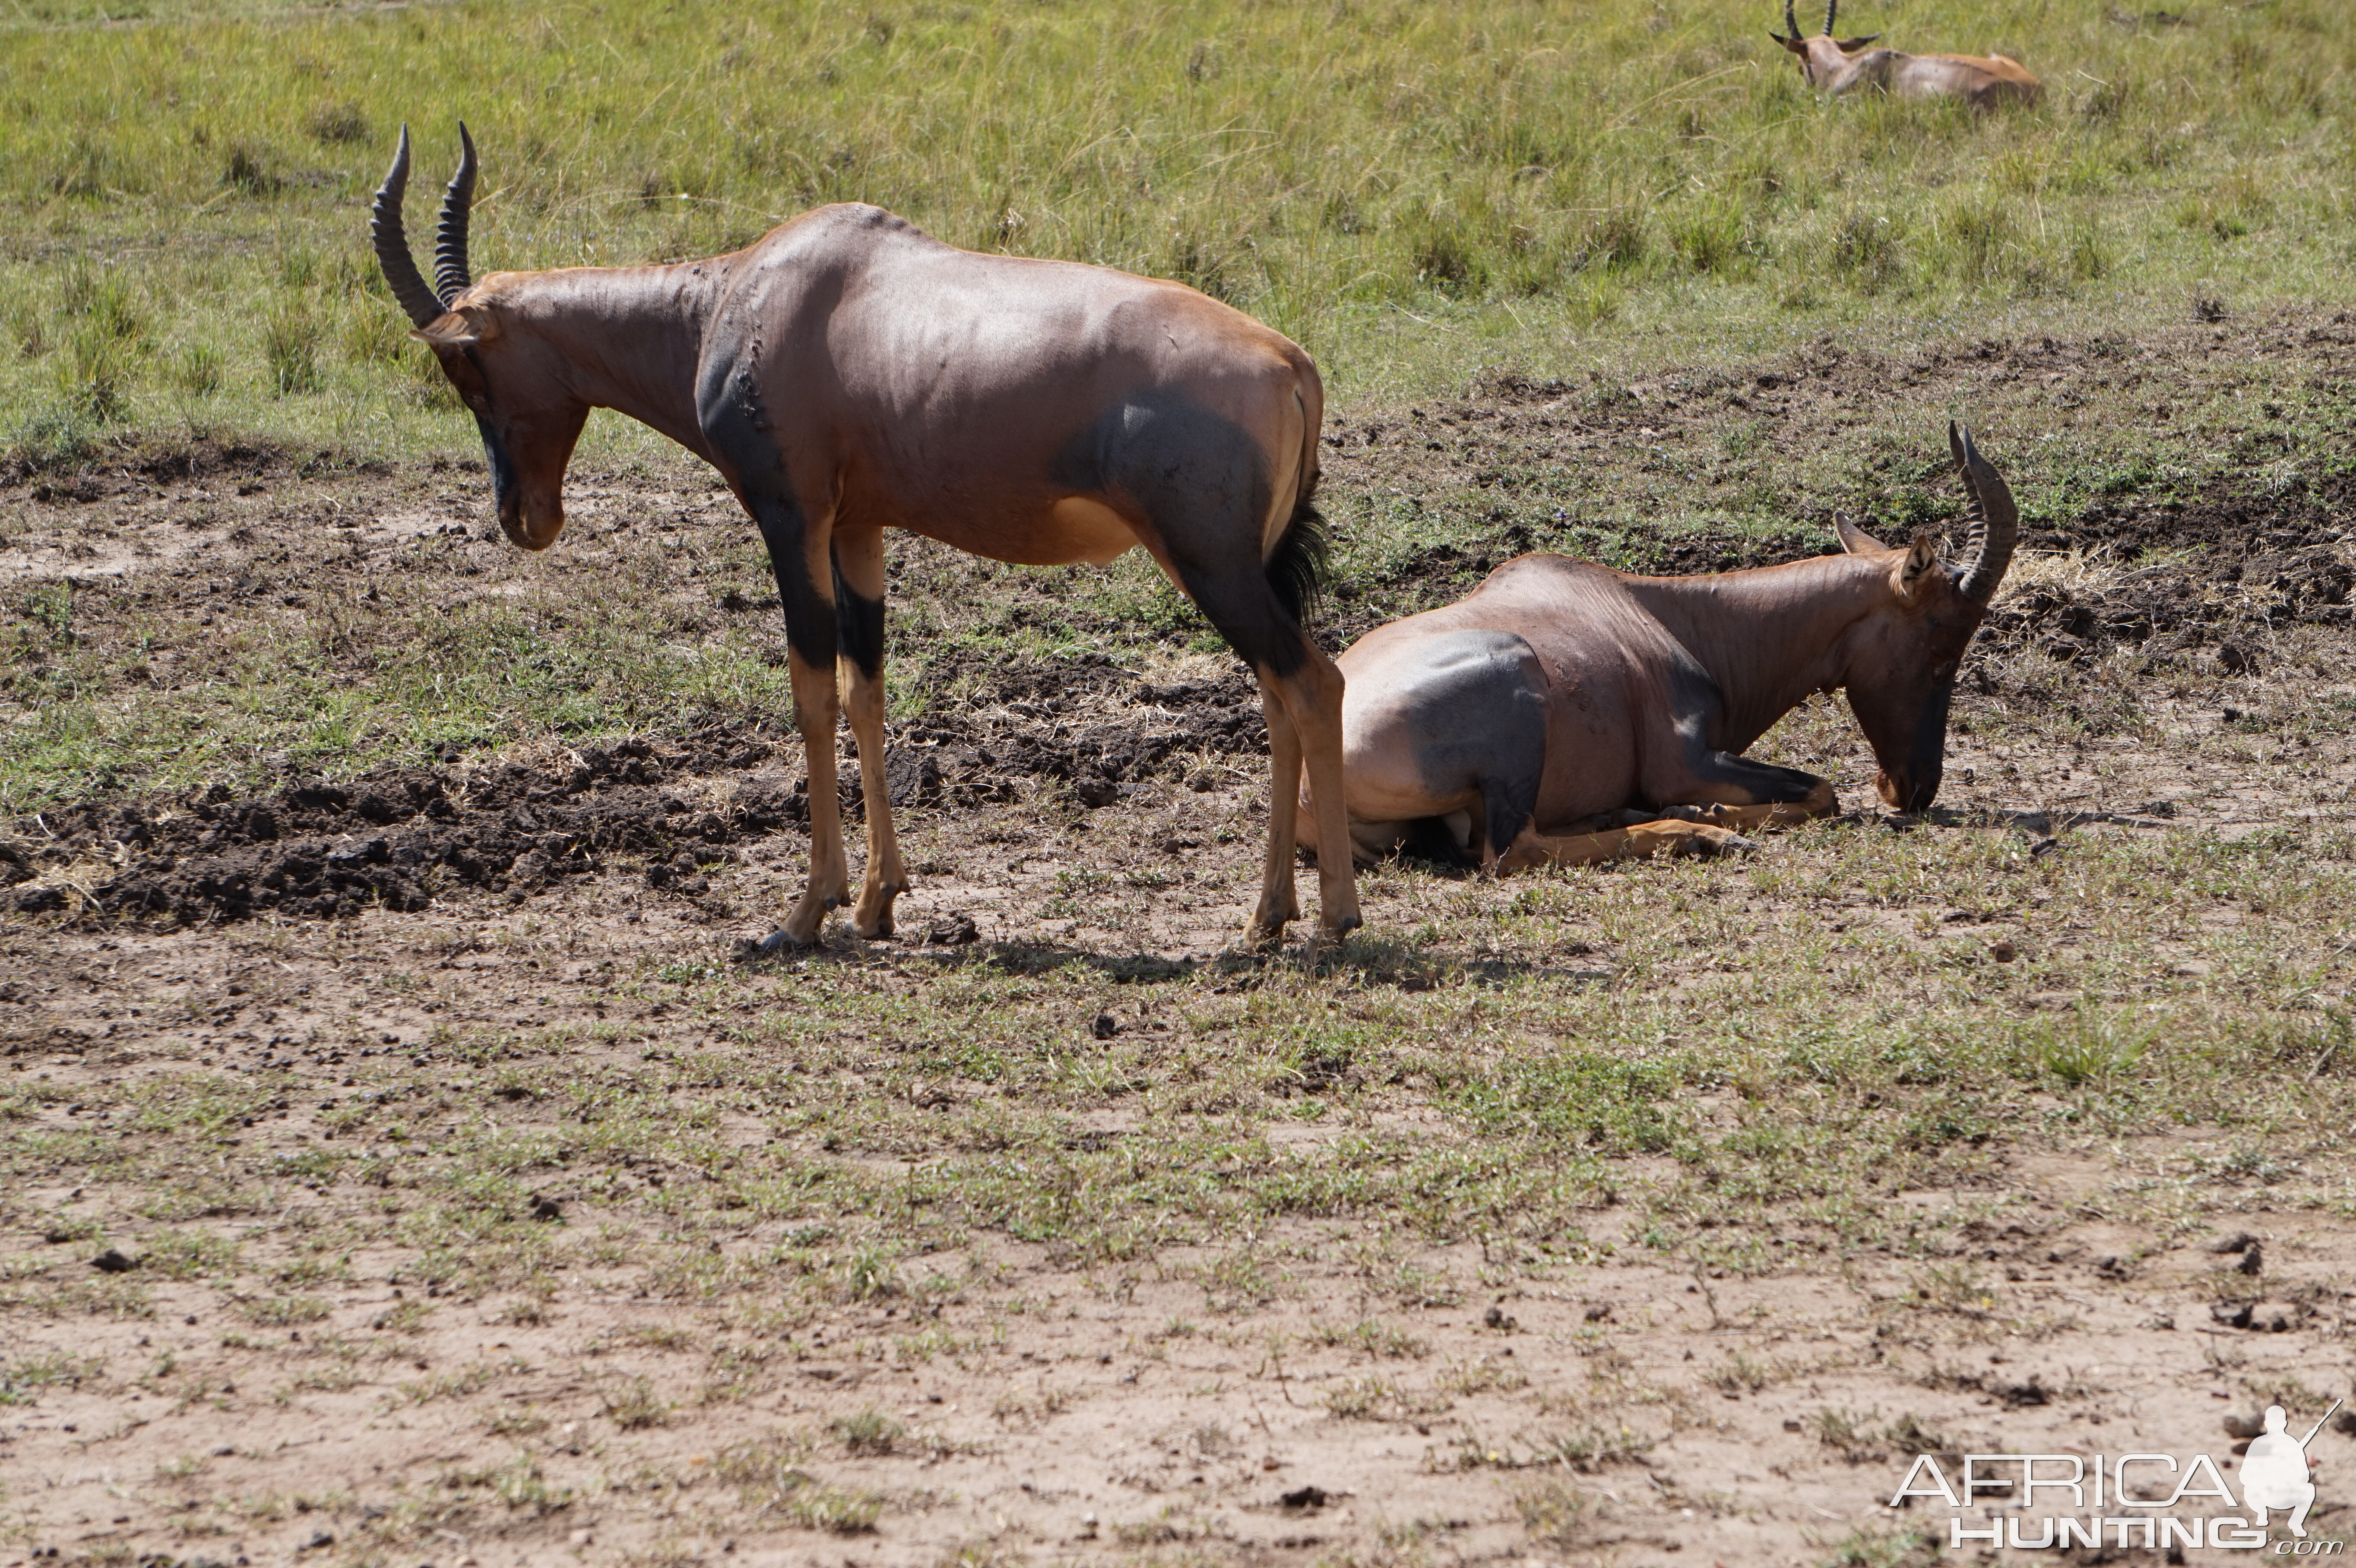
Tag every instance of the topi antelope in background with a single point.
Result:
(848, 373)
(1564, 714)
(1836, 66)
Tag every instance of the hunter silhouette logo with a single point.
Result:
(2111, 1502)
(2274, 1471)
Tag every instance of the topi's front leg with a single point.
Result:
(1644, 841)
(859, 609)
(816, 712)
(801, 557)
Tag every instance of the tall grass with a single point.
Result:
(1411, 190)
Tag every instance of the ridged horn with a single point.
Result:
(451, 278)
(392, 241)
(1831, 7)
(1854, 539)
(1791, 23)
(1996, 522)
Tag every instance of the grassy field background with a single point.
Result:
(1424, 196)
(1412, 191)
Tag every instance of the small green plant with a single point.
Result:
(869, 1274)
(285, 1311)
(1980, 236)
(244, 172)
(338, 124)
(199, 370)
(2090, 257)
(1357, 1399)
(1447, 253)
(633, 1405)
(1740, 1374)
(1555, 1514)
(1866, 251)
(290, 349)
(21, 1382)
(1848, 1434)
(94, 372)
(1905, 1548)
(2092, 1050)
(521, 1483)
(373, 335)
(839, 1510)
(1714, 239)
(767, 1472)
(870, 1432)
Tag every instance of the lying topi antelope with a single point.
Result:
(849, 373)
(1839, 64)
(1559, 695)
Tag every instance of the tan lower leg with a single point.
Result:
(1821, 802)
(830, 874)
(1276, 904)
(886, 877)
(1312, 699)
(1643, 841)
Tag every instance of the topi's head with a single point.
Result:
(1900, 658)
(1822, 56)
(512, 381)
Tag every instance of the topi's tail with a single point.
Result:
(1296, 568)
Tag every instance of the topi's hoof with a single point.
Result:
(776, 944)
(1338, 932)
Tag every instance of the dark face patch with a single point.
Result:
(504, 490)
(464, 368)
(1901, 683)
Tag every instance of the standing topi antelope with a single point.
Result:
(1839, 64)
(1560, 696)
(849, 373)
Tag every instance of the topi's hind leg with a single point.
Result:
(1278, 904)
(859, 606)
(1219, 517)
(1644, 841)
(1304, 724)
(1310, 694)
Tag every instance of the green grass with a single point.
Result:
(1413, 192)
(1788, 1077)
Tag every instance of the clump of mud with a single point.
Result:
(399, 837)
(393, 838)
(2230, 606)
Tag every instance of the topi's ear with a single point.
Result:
(460, 328)
(1922, 559)
(1851, 46)
(1854, 539)
(1797, 45)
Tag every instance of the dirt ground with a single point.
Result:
(317, 935)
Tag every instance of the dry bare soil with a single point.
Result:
(399, 1167)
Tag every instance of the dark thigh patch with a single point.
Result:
(1478, 702)
(1190, 467)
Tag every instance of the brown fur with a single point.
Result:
(847, 374)
(1653, 687)
(1836, 66)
